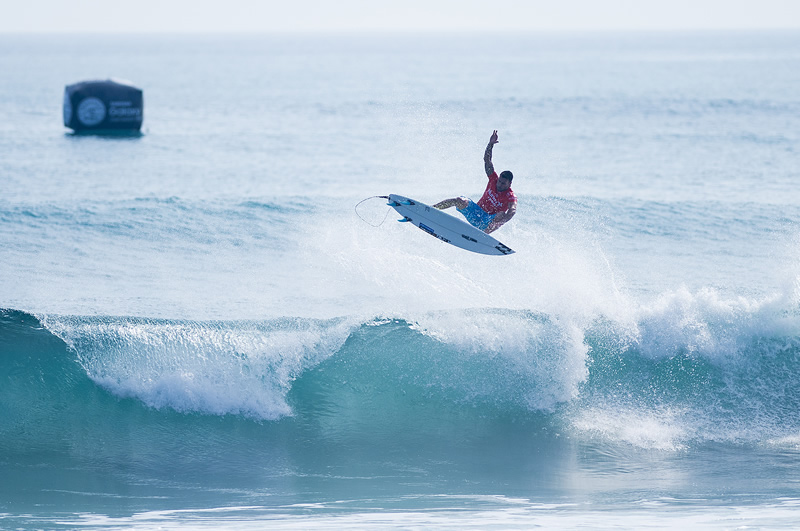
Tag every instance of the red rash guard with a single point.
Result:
(493, 201)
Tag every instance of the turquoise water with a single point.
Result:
(200, 330)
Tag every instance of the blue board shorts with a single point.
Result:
(476, 216)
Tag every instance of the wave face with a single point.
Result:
(688, 369)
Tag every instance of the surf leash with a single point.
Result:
(367, 199)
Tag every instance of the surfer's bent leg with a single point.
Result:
(458, 202)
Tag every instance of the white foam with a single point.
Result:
(651, 429)
(707, 324)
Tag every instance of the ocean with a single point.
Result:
(218, 323)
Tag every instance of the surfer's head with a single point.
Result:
(504, 181)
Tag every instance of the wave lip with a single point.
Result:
(219, 368)
(524, 359)
(691, 368)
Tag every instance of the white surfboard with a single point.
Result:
(445, 227)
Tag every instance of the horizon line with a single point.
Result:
(351, 31)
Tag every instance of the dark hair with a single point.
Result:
(507, 175)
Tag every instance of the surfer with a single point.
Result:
(498, 203)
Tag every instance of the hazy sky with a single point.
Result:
(382, 15)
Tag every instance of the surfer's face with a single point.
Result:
(503, 184)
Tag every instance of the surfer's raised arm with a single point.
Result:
(498, 203)
(487, 155)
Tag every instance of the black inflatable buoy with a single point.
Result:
(96, 106)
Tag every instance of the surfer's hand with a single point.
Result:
(493, 138)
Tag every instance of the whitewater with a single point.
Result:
(216, 323)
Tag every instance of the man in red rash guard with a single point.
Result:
(498, 203)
